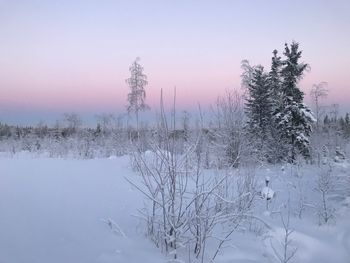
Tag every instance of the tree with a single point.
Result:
(73, 122)
(228, 128)
(318, 92)
(347, 125)
(246, 76)
(274, 78)
(105, 122)
(334, 112)
(326, 120)
(137, 95)
(293, 118)
(259, 108)
(292, 71)
(277, 145)
(325, 186)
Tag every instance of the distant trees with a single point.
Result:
(137, 94)
(73, 122)
(347, 125)
(275, 106)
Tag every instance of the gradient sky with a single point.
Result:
(63, 56)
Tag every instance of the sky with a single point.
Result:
(74, 56)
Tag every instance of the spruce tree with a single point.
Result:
(293, 118)
(258, 109)
(347, 119)
(292, 71)
(347, 125)
(274, 79)
(326, 120)
(277, 144)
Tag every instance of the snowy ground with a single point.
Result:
(54, 210)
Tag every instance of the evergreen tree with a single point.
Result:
(326, 120)
(293, 118)
(292, 71)
(258, 106)
(277, 145)
(258, 109)
(347, 119)
(342, 124)
(274, 79)
(347, 125)
(326, 123)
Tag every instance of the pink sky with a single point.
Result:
(74, 55)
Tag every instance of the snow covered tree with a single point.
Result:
(318, 92)
(247, 73)
(293, 118)
(274, 79)
(137, 95)
(347, 126)
(292, 71)
(258, 108)
(277, 144)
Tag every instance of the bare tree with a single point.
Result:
(164, 175)
(137, 95)
(246, 76)
(227, 128)
(286, 251)
(185, 204)
(318, 92)
(106, 121)
(73, 122)
(324, 186)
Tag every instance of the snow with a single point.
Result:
(267, 193)
(308, 113)
(65, 210)
(53, 210)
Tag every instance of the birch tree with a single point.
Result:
(137, 95)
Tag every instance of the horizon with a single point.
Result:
(59, 57)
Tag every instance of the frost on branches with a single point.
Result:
(137, 95)
(277, 117)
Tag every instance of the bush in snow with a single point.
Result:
(325, 184)
(285, 250)
(185, 205)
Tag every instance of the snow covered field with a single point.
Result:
(63, 210)
(52, 211)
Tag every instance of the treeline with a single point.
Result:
(222, 141)
(341, 124)
(69, 139)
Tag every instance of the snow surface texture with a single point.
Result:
(267, 193)
(57, 210)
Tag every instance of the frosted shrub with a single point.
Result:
(325, 185)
